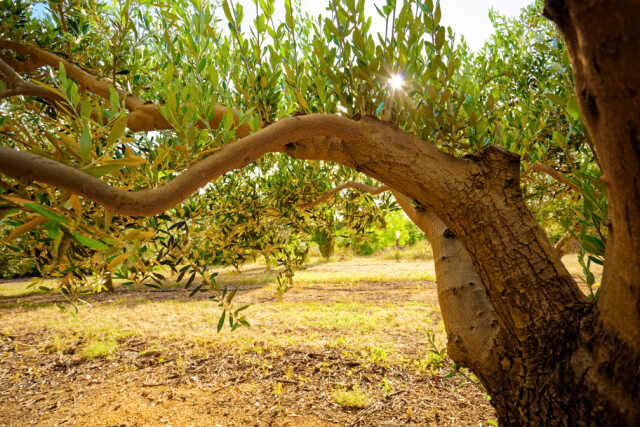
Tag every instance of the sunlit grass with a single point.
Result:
(353, 320)
(351, 326)
(99, 348)
(25, 288)
(355, 398)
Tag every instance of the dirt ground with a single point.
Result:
(363, 324)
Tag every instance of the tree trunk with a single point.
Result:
(563, 394)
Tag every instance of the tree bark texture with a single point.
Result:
(603, 38)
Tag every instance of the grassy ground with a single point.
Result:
(356, 342)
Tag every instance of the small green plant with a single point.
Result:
(377, 355)
(354, 398)
(386, 386)
(99, 349)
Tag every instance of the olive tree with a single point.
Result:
(317, 89)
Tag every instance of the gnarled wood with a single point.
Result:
(603, 38)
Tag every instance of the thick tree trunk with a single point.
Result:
(603, 38)
(475, 340)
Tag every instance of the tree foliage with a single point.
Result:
(187, 57)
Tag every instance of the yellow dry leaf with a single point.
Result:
(75, 202)
(39, 220)
(118, 260)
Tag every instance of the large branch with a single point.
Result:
(21, 87)
(150, 202)
(469, 318)
(479, 198)
(143, 116)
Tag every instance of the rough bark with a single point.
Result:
(603, 38)
(469, 318)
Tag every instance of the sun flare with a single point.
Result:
(396, 81)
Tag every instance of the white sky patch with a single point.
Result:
(468, 18)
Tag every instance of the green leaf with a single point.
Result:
(593, 245)
(114, 99)
(559, 140)
(62, 73)
(429, 5)
(573, 108)
(195, 290)
(289, 14)
(45, 212)
(440, 38)
(85, 110)
(244, 307)
(227, 10)
(85, 142)
(118, 129)
(379, 109)
(227, 120)
(99, 171)
(556, 99)
(89, 242)
(221, 320)
(53, 229)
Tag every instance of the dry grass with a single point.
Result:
(352, 334)
(355, 333)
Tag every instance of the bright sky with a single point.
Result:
(467, 17)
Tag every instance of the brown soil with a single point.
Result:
(223, 389)
(263, 385)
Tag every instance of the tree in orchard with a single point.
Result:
(317, 90)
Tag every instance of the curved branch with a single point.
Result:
(471, 322)
(469, 318)
(357, 185)
(10, 74)
(463, 192)
(101, 87)
(558, 176)
(24, 66)
(143, 116)
(21, 87)
(150, 202)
